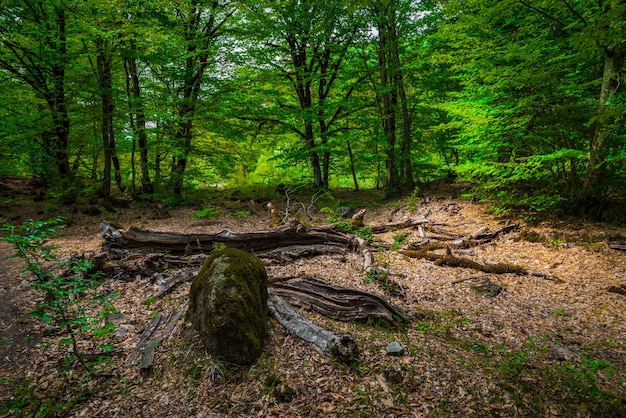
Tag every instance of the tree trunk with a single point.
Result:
(593, 186)
(352, 169)
(138, 117)
(105, 84)
(58, 104)
(389, 98)
(406, 119)
(200, 29)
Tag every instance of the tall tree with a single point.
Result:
(200, 25)
(532, 72)
(34, 50)
(137, 114)
(103, 71)
(305, 44)
(389, 18)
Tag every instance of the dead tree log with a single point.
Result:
(482, 236)
(147, 351)
(618, 245)
(495, 268)
(331, 344)
(299, 251)
(262, 240)
(134, 357)
(336, 302)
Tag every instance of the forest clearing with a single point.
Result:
(477, 343)
(426, 199)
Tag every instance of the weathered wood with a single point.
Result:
(356, 221)
(331, 344)
(185, 276)
(407, 223)
(452, 261)
(449, 260)
(336, 302)
(482, 236)
(618, 245)
(283, 236)
(134, 357)
(299, 251)
(147, 355)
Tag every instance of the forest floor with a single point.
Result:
(542, 346)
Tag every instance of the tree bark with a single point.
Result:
(105, 85)
(389, 95)
(593, 186)
(200, 29)
(339, 346)
(137, 116)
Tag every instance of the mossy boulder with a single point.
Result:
(228, 305)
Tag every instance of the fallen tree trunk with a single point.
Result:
(299, 251)
(336, 302)
(482, 236)
(262, 240)
(494, 268)
(338, 346)
(618, 245)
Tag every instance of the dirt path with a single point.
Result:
(19, 333)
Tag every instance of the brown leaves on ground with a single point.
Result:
(535, 347)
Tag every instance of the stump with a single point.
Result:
(228, 305)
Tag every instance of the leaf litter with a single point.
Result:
(537, 347)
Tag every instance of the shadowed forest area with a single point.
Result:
(442, 181)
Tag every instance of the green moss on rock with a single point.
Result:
(228, 305)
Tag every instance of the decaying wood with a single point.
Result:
(482, 236)
(407, 223)
(262, 240)
(449, 260)
(299, 251)
(336, 302)
(147, 354)
(331, 344)
(174, 280)
(618, 245)
(145, 336)
(356, 221)
(452, 261)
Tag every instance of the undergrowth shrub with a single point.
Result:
(72, 306)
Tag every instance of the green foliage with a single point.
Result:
(66, 297)
(210, 211)
(399, 240)
(574, 380)
(241, 213)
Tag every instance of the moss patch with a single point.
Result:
(228, 305)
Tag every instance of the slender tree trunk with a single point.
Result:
(184, 138)
(103, 68)
(200, 29)
(356, 184)
(598, 148)
(318, 179)
(58, 104)
(406, 119)
(389, 99)
(138, 118)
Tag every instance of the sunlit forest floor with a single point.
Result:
(540, 347)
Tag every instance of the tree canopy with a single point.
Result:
(522, 98)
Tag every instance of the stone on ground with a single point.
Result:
(228, 305)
